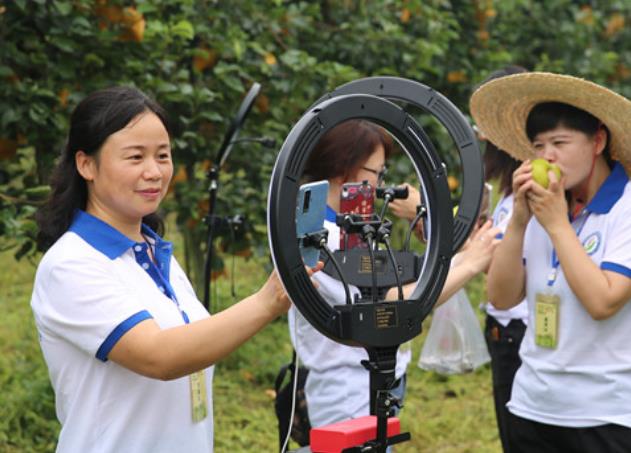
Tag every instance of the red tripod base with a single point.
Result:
(336, 437)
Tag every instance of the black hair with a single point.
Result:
(498, 164)
(95, 118)
(550, 115)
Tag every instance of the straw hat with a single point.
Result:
(500, 109)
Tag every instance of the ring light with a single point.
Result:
(370, 325)
(425, 98)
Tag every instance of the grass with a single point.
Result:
(446, 414)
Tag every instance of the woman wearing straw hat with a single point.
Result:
(567, 249)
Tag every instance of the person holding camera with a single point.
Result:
(129, 348)
(567, 249)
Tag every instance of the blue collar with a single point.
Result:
(330, 214)
(610, 191)
(107, 239)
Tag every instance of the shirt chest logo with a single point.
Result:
(501, 215)
(592, 243)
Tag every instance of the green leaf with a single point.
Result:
(37, 192)
(5, 71)
(64, 8)
(183, 29)
(211, 116)
(238, 48)
(21, 4)
(9, 116)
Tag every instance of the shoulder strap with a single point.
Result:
(291, 366)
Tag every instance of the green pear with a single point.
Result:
(540, 169)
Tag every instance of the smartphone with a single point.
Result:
(356, 198)
(486, 208)
(310, 215)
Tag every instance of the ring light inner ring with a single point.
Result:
(281, 220)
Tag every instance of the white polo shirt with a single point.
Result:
(586, 380)
(337, 386)
(90, 289)
(501, 215)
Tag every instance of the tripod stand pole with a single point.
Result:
(381, 365)
(213, 175)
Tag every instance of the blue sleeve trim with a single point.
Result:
(330, 214)
(118, 332)
(609, 266)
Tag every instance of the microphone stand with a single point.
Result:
(211, 219)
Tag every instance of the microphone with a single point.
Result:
(213, 175)
(389, 194)
(392, 192)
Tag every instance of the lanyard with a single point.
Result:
(168, 290)
(154, 272)
(552, 276)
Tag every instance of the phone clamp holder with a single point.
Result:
(358, 223)
(222, 225)
(315, 239)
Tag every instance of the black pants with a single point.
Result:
(503, 343)
(527, 436)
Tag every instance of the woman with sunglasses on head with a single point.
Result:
(337, 386)
(567, 249)
(129, 348)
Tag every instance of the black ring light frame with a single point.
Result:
(360, 324)
(431, 101)
(382, 326)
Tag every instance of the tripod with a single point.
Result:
(381, 365)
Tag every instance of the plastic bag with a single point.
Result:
(454, 343)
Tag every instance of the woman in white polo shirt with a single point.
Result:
(337, 386)
(567, 249)
(129, 348)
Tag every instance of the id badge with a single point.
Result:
(198, 396)
(547, 320)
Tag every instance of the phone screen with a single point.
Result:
(356, 198)
(486, 208)
(310, 215)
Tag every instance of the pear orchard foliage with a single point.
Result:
(198, 58)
